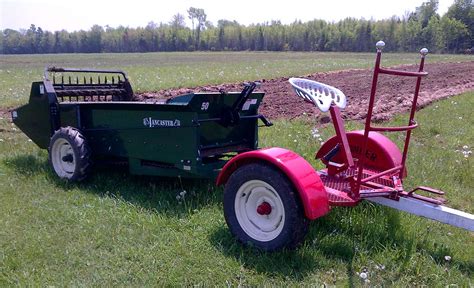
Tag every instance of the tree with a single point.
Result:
(463, 11)
(177, 22)
(12, 40)
(198, 15)
(426, 11)
(46, 43)
(421, 28)
(2, 43)
(454, 34)
(177, 40)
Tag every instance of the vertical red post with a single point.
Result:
(341, 135)
(368, 119)
(411, 121)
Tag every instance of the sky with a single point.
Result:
(56, 15)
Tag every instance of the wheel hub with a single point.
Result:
(264, 209)
(62, 157)
(259, 210)
(68, 158)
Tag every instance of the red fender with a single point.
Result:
(381, 154)
(311, 189)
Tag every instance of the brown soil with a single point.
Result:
(394, 94)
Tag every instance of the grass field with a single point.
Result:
(154, 71)
(120, 230)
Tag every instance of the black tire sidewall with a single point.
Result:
(295, 225)
(80, 149)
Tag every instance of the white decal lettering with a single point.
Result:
(150, 122)
(204, 106)
(248, 103)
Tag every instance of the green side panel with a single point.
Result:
(33, 118)
(182, 137)
(140, 131)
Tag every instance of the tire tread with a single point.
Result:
(80, 147)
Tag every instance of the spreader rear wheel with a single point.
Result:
(69, 154)
(262, 209)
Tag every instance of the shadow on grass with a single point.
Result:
(338, 236)
(293, 264)
(156, 194)
(343, 235)
(329, 239)
(27, 164)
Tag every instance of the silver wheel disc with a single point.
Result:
(259, 210)
(62, 158)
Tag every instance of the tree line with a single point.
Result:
(424, 27)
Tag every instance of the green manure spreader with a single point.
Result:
(87, 116)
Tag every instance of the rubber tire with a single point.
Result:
(81, 153)
(295, 225)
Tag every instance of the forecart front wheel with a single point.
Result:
(69, 154)
(262, 209)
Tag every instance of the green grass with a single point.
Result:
(154, 71)
(120, 230)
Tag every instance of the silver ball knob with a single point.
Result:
(424, 52)
(380, 45)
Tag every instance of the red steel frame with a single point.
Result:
(395, 172)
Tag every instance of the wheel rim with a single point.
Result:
(62, 158)
(259, 210)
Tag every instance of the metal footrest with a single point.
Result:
(339, 187)
(436, 201)
(340, 198)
